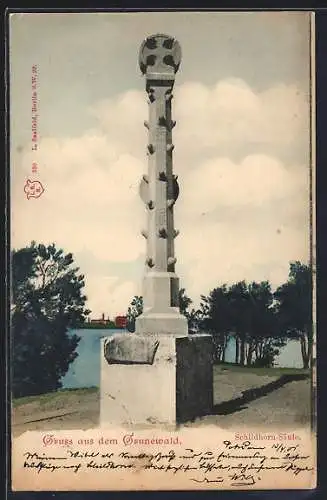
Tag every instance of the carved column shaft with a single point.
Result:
(160, 242)
(159, 60)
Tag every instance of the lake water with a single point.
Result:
(85, 370)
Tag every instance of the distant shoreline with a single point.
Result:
(90, 326)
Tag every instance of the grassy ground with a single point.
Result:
(243, 396)
(44, 399)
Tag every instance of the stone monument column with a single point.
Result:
(159, 60)
(160, 374)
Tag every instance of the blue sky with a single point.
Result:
(241, 145)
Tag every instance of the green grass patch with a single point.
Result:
(50, 396)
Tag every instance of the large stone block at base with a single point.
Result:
(194, 377)
(155, 379)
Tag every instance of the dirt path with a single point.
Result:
(240, 399)
(256, 401)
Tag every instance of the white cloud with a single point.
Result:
(92, 205)
(239, 218)
(232, 115)
(108, 295)
(226, 252)
(121, 120)
(256, 180)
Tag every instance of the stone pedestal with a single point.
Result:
(155, 379)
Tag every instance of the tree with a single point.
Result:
(264, 339)
(134, 310)
(294, 306)
(216, 319)
(47, 301)
(239, 312)
(192, 315)
(245, 312)
(184, 301)
(254, 323)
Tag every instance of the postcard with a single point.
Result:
(162, 326)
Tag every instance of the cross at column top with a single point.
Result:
(160, 57)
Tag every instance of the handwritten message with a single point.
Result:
(231, 464)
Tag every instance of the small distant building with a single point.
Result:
(118, 322)
(100, 321)
(121, 321)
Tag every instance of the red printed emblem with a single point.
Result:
(33, 189)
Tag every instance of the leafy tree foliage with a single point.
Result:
(134, 310)
(192, 315)
(246, 313)
(294, 306)
(47, 300)
(263, 338)
(184, 301)
(215, 314)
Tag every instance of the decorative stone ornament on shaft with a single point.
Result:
(159, 60)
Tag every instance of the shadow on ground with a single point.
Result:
(238, 404)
